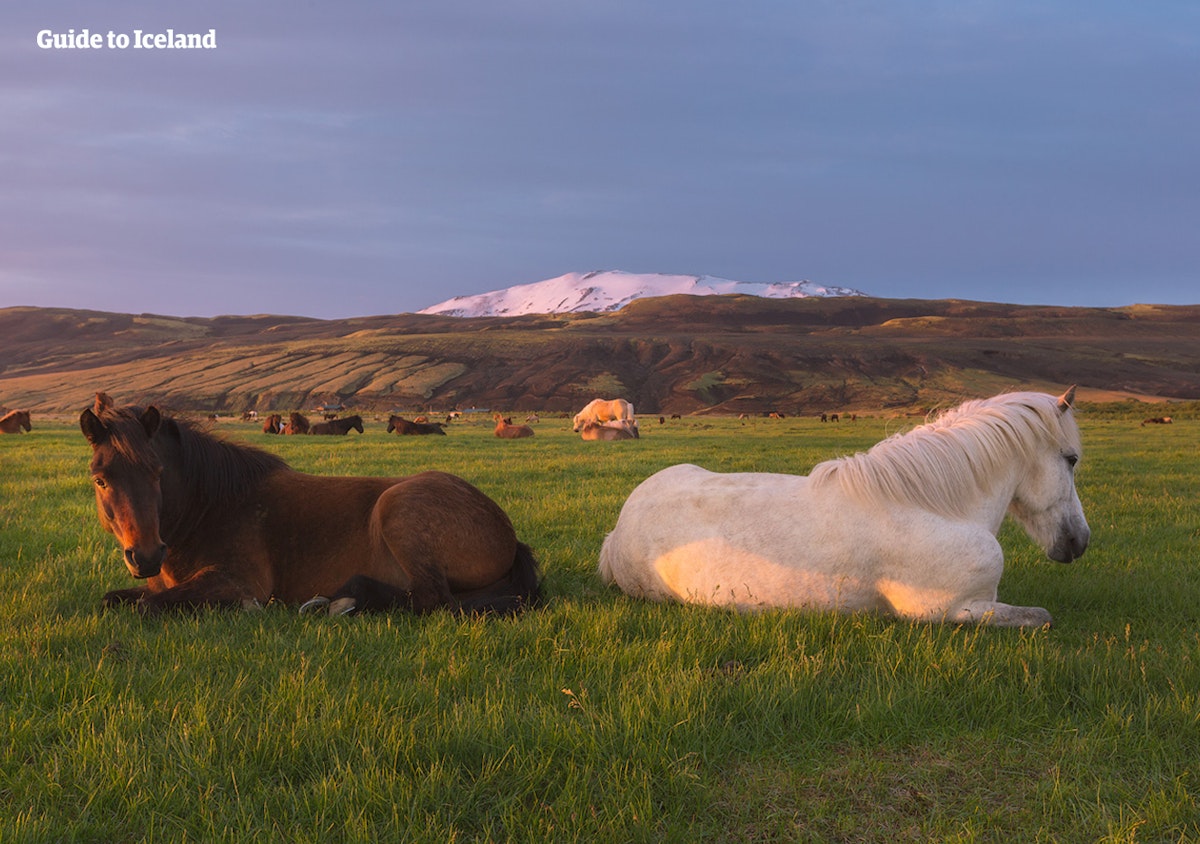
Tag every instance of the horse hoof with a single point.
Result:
(314, 605)
(343, 606)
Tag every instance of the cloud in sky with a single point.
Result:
(375, 157)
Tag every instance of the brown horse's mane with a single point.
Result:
(216, 471)
(215, 468)
(126, 435)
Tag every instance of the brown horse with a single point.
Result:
(505, 430)
(608, 431)
(402, 426)
(297, 424)
(273, 425)
(13, 421)
(208, 522)
(338, 426)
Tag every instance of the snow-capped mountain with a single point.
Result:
(612, 290)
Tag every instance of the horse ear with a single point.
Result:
(150, 420)
(103, 402)
(1066, 400)
(93, 429)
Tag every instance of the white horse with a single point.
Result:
(908, 528)
(600, 411)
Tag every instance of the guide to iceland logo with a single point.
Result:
(138, 39)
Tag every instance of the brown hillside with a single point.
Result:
(673, 354)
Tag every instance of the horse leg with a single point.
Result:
(977, 561)
(430, 519)
(518, 590)
(208, 588)
(361, 594)
(117, 597)
(997, 614)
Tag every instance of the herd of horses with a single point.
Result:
(298, 424)
(907, 528)
(601, 420)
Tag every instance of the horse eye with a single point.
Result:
(99, 482)
(1071, 459)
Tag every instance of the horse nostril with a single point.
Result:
(142, 565)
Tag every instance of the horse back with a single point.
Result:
(685, 528)
(750, 540)
(322, 530)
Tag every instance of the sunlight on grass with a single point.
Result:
(599, 717)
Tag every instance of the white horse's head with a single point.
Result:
(1045, 502)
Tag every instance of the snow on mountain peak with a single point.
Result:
(613, 290)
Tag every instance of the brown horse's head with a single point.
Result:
(126, 474)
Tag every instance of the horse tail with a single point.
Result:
(520, 589)
(526, 576)
(608, 561)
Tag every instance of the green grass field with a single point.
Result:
(601, 718)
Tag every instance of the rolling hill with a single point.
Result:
(674, 354)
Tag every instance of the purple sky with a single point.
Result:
(378, 157)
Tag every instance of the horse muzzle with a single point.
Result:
(141, 565)
(1070, 545)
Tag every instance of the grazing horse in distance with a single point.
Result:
(603, 410)
(402, 426)
(505, 430)
(297, 424)
(1157, 420)
(908, 528)
(205, 521)
(273, 424)
(15, 420)
(338, 426)
(608, 431)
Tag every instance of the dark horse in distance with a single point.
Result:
(402, 426)
(13, 421)
(208, 522)
(338, 426)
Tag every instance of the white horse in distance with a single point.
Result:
(600, 411)
(907, 528)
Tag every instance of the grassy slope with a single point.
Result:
(599, 716)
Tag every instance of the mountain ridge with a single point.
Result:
(603, 291)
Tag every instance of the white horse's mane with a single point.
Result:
(942, 465)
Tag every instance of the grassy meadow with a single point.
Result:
(598, 717)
